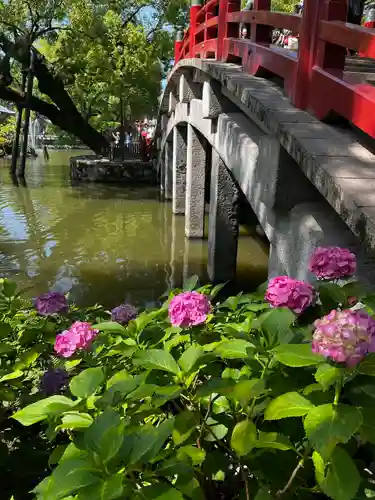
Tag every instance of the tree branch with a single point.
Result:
(132, 16)
(291, 479)
(12, 27)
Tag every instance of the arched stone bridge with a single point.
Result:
(308, 183)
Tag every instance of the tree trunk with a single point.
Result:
(63, 112)
(72, 124)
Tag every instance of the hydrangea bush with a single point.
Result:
(261, 396)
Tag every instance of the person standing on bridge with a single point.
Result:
(245, 28)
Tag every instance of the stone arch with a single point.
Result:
(281, 179)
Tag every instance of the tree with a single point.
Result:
(78, 67)
(284, 5)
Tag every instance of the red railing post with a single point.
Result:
(260, 33)
(195, 7)
(306, 52)
(329, 56)
(177, 46)
(209, 15)
(225, 29)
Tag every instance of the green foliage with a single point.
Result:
(26, 352)
(283, 5)
(95, 54)
(238, 404)
(7, 130)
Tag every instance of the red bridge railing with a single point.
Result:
(314, 77)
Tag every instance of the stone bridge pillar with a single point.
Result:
(168, 170)
(179, 169)
(223, 223)
(195, 184)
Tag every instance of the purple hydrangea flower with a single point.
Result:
(123, 314)
(51, 303)
(53, 381)
(344, 336)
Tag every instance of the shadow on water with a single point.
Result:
(101, 243)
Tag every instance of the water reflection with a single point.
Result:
(100, 243)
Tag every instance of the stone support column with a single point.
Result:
(195, 184)
(179, 169)
(223, 223)
(168, 172)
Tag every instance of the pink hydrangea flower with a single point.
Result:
(344, 336)
(79, 336)
(296, 295)
(189, 309)
(332, 263)
(64, 346)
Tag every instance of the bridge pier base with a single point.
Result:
(223, 223)
(179, 169)
(195, 184)
(168, 172)
(302, 229)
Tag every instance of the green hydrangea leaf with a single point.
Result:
(43, 409)
(327, 425)
(157, 359)
(290, 404)
(297, 355)
(87, 382)
(339, 479)
(243, 437)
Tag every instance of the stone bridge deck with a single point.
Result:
(308, 183)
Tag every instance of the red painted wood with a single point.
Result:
(261, 33)
(306, 53)
(331, 55)
(280, 20)
(207, 47)
(225, 29)
(354, 102)
(208, 24)
(194, 10)
(350, 36)
(314, 78)
(209, 7)
(177, 51)
(256, 58)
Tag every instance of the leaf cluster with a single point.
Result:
(238, 407)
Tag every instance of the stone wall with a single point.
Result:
(96, 169)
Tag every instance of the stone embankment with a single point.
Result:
(97, 169)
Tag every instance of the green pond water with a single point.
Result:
(101, 243)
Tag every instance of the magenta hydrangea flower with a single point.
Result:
(330, 263)
(189, 309)
(296, 295)
(344, 336)
(51, 303)
(79, 336)
(123, 314)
